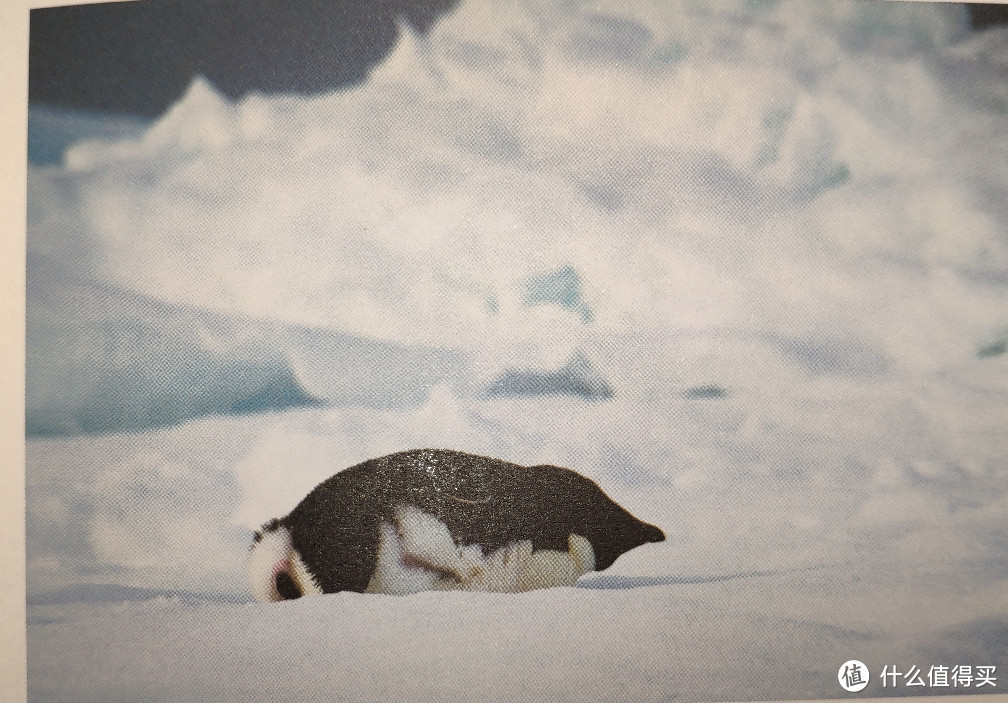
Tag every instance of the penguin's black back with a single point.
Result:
(482, 501)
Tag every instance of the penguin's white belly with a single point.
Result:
(418, 553)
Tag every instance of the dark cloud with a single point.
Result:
(984, 15)
(138, 57)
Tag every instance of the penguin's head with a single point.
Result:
(275, 569)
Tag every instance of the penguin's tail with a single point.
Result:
(608, 549)
(652, 534)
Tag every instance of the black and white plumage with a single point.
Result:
(432, 519)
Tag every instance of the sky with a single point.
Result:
(138, 57)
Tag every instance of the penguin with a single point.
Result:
(436, 519)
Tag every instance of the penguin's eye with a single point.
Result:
(286, 587)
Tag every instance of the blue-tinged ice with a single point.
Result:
(994, 347)
(52, 130)
(101, 360)
(577, 377)
(560, 287)
(345, 370)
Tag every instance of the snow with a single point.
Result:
(775, 233)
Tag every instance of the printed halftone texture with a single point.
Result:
(743, 264)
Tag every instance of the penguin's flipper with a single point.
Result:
(393, 575)
(426, 541)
